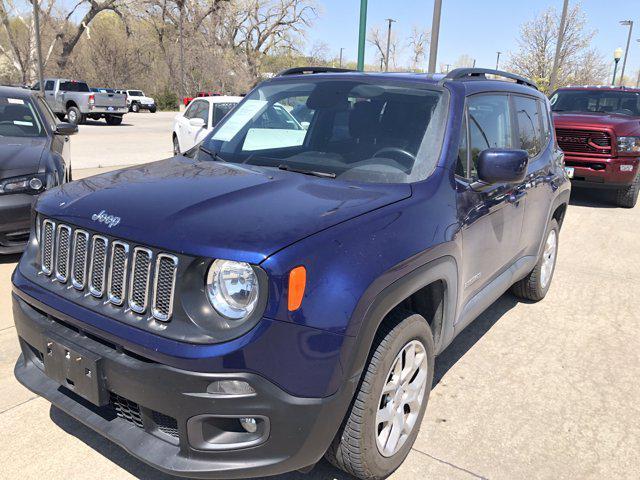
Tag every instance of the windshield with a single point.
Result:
(18, 118)
(353, 130)
(596, 101)
(136, 93)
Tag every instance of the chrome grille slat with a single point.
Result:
(63, 246)
(140, 276)
(98, 265)
(118, 272)
(48, 242)
(164, 286)
(79, 259)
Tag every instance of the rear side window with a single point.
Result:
(49, 85)
(529, 134)
(74, 87)
(489, 125)
(220, 110)
(546, 125)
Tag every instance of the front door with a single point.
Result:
(492, 219)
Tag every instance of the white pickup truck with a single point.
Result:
(77, 102)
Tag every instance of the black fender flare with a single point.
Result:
(443, 269)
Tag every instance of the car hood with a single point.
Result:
(20, 156)
(212, 209)
(621, 124)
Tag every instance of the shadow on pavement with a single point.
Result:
(13, 258)
(598, 198)
(323, 470)
(102, 123)
(471, 334)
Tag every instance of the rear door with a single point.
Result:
(492, 219)
(534, 136)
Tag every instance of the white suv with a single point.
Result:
(136, 101)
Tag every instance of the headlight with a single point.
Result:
(232, 288)
(25, 184)
(629, 144)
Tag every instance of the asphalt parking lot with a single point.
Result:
(547, 390)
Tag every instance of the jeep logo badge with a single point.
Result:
(103, 217)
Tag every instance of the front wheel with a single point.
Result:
(135, 108)
(153, 109)
(627, 197)
(75, 116)
(535, 286)
(384, 419)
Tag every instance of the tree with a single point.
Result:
(378, 38)
(464, 61)
(418, 42)
(577, 63)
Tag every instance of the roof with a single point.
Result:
(220, 99)
(601, 87)
(16, 92)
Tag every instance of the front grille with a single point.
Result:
(118, 272)
(62, 254)
(166, 268)
(101, 266)
(584, 141)
(126, 409)
(48, 231)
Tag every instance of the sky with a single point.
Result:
(477, 28)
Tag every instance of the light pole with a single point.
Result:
(36, 21)
(626, 23)
(341, 50)
(435, 32)
(638, 80)
(362, 35)
(498, 60)
(386, 60)
(556, 59)
(617, 53)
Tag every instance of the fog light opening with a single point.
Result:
(230, 388)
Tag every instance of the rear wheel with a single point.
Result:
(113, 119)
(384, 419)
(74, 115)
(627, 197)
(536, 285)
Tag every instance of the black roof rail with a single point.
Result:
(310, 70)
(462, 73)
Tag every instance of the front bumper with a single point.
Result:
(160, 414)
(15, 221)
(605, 172)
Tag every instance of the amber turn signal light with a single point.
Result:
(297, 284)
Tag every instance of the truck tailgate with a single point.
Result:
(110, 100)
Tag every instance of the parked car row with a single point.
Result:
(279, 289)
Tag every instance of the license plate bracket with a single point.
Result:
(75, 368)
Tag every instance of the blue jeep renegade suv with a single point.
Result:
(280, 292)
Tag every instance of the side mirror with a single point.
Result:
(502, 165)
(196, 122)
(64, 128)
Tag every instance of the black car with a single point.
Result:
(34, 156)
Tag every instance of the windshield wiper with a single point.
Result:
(307, 172)
(212, 154)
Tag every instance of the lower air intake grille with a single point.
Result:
(166, 424)
(126, 409)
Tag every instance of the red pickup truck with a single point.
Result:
(186, 100)
(599, 130)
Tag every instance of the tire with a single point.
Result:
(536, 284)
(627, 197)
(355, 449)
(135, 108)
(153, 109)
(74, 115)
(60, 116)
(176, 146)
(113, 119)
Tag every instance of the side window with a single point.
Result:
(202, 111)
(462, 166)
(47, 113)
(220, 110)
(529, 133)
(489, 125)
(49, 85)
(191, 110)
(546, 126)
